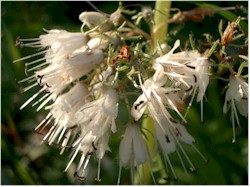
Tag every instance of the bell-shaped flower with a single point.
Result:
(133, 148)
(237, 99)
(96, 120)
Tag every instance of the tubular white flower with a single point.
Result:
(236, 97)
(97, 120)
(56, 77)
(62, 111)
(133, 148)
(62, 42)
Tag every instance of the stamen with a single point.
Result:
(119, 174)
(65, 141)
(80, 162)
(170, 164)
(42, 98)
(49, 133)
(73, 157)
(182, 150)
(55, 133)
(29, 87)
(46, 124)
(36, 67)
(202, 156)
(61, 135)
(28, 39)
(233, 122)
(98, 179)
(35, 61)
(32, 78)
(151, 172)
(30, 56)
(30, 99)
(45, 119)
(182, 163)
(44, 103)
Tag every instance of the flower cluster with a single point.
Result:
(85, 75)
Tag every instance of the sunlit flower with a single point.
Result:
(96, 120)
(188, 69)
(169, 132)
(62, 112)
(236, 97)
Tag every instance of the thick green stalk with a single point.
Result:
(160, 29)
(159, 35)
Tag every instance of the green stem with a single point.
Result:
(160, 29)
(159, 36)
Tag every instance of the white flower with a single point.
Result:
(96, 120)
(236, 97)
(96, 19)
(62, 111)
(133, 149)
(62, 42)
(169, 132)
(188, 69)
(154, 91)
(57, 76)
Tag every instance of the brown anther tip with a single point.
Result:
(166, 179)
(98, 180)
(194, 170)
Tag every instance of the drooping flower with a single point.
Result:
(133, 149)
(62, 112)
(237, 99)
(96, 120)
(169, 132)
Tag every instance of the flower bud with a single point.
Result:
(96, 19)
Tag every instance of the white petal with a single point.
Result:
(184, 135)
(110, 105)
(125, 149)
(139, 145)
(94, 19)
(166, 141)
(139, 107)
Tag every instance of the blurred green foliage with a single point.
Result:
(25, 161)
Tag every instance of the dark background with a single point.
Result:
(24, 161)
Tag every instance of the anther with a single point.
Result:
(136, 106)
(190, 88)
(78, 177)
(172, 120)
(94, 147)
(192, 67)
(178, 132)
(35, 131)
(167, 138)
(18, 42)
(98, 180)
(195, 79)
